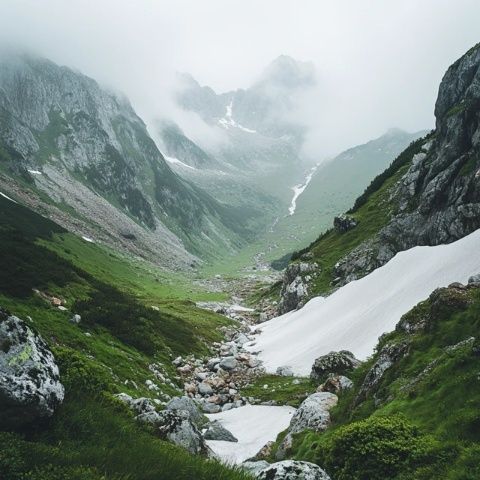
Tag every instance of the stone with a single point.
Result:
(265, 451)
(336, 384)
(228, 363)
(343, 224)
(285, 371)
(76, 319)
(189, 405)
(216, 431)
(30, 386)
(313, 413)
(254, 468)
(294, 287)
(474, 278)
(205, 389)
(292, 470)
(176, 427)
(334, 362)
(208, 407)
(138, 405)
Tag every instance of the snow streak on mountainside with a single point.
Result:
(299, 189)
(353, 317)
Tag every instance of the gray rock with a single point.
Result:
(138, 405)
(216, 431)
(76, 319)
(313, 413)
(30, 385)
(336, 384)
(208, 407)
(254, 468)
(474, 278)
(176, 427)
(285, 371)
(343, 223)
(189, 405)
(292, 470)
(294, 286)
(205, 389)
(228, 363)
(334, 362)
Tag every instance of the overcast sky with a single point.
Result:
(378, 62)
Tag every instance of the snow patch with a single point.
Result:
(7, 197)
(227, 121)
(253, 426)
(354, 316)
(88, 239)
(34, 172)
(299, 189)
(176, 161)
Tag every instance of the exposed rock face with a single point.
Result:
(343, 223)
(179, 429)
(438, 199)
(30, 385)
(388, 356)
(292, 470)
(295, 285)
(334, 362)
(313, 413)
(216, 431)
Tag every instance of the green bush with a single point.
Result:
(376, 449)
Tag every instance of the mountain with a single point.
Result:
(82, 154)
(427, 196)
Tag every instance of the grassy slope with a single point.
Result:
(439, 410)
(92, 436)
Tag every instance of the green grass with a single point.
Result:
(280, 389)
(119, 338)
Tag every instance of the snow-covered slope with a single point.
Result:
(355, 316)
(253, 426)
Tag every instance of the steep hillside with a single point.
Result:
(82, 154)
(413, 410)
(129, 328)
(428, 196)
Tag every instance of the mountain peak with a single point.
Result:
(288, 72)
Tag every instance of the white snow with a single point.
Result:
(299, 189)
(7, 197)
(227, 121)
(176, 161)
(35, 172)
(354, 316)
(88, 239)
(253, 425)
(240, 308)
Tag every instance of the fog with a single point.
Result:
(378, 62)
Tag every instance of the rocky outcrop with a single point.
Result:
(189, 405)
(334, 362)
(30, 385)
(216, 431)
(295, 285)
(437, 200)
(343, 224)
(390, 354)
(292, 470)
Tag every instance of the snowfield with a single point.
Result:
(253, 425)
(355, 315)
(299, 189)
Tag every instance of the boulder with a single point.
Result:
(205, 389)
(228, 363)
(294, 286)
(313, 413)
(474, 279)
(254, 468)
(176, 427)
(188, 405)
(285, 371)
(216, 431)
(76, 319)
(336, 384)
(139, 405)
(343, 223)
(334, 362)
(292, 470)
(30, 385)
